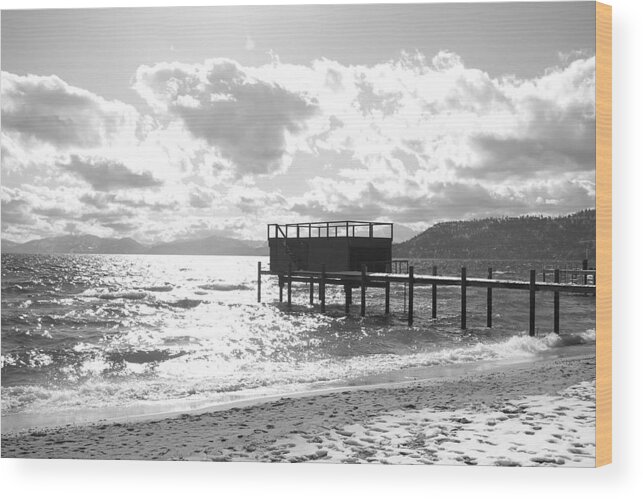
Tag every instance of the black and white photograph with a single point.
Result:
(344, 234)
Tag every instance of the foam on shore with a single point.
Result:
(536, 413)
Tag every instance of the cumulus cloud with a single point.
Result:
(49, 110)
(439, 140)
(554, 129)
(413, 140)
(15, 211)
(200, 198)
(107, 175)
(248, 119)
(145, 201)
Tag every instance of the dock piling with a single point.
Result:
(387, 298)
(322, 288)
(258, 282)
(489, 298)
(363, 285)
(352, 279)
(289, 285)
(312, 291)
(532, 303)
(434, 295)
(463, 298)
(411, 280)
(556, 303)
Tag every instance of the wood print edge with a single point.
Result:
(603, 234)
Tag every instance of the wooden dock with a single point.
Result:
(364, 279)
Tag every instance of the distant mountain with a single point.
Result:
(8, 245)
(528, 237)
(77, 244)
(213, 245)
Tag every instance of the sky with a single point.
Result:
(169, 123)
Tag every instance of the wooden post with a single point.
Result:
(347, 301)
(411, 279)
(585, 267)
(289, 284)
(322, 288)
(387, 298)
(489, 298)
(463, 298)
(434, 295)
(281, 288)
(258, 282)
(556, 303)
(312, 290)
(532, 303)
(404, 298)
(363, 308)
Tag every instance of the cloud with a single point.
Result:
(248, 119)
(53, 212)
(413, 140)
(200, 198)
(252, 201)
(108, 175)
(15, 210)
(103, 200)
(437, 140)
(554, 131)
(48, 110)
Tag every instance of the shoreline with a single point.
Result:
(18, 422)
(430, 420)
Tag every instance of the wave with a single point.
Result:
(126, 295)
(186, 303)
(157, 289)
(249, 376)
(31, 359)
(224, 287)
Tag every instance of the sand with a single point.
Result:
(533, 414)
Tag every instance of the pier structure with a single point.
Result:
(355, 254)
(574, 275)
(339, 245)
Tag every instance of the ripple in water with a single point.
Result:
(83, 331)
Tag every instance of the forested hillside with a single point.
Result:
(527, 237)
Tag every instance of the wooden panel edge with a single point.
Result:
(603, 234)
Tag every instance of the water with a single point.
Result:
(122, 332)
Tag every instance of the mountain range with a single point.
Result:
(568, 237)
(213, 245)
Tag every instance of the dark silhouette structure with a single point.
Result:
(339, 245)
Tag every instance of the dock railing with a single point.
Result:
(336, 228)
(583, 275)
(363, 279)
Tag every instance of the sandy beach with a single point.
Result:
(530, 414)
